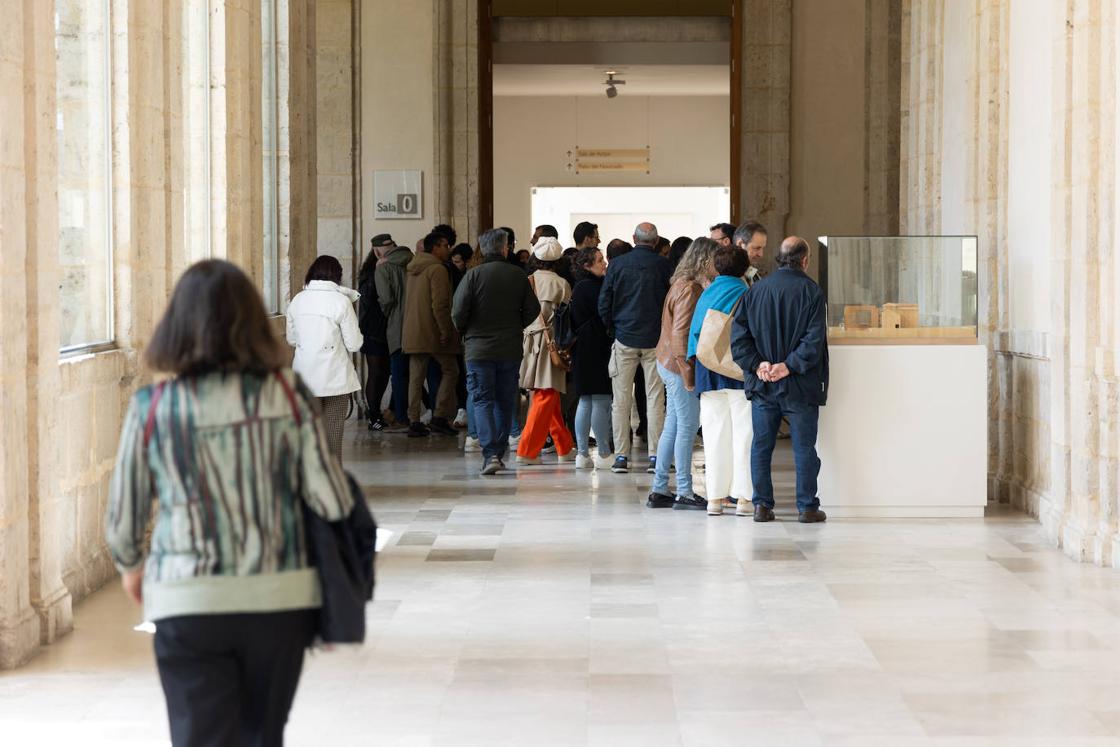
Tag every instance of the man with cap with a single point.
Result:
(372, 321)
(389, 278)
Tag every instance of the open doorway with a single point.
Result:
(624, 110)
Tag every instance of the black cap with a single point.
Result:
(382, 239)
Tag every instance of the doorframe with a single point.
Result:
(736, 114)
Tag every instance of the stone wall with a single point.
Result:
(1009, 128)
(334, 133)
(62, 415)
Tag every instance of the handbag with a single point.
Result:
(713, 349)
(559, 356)
(343, 553)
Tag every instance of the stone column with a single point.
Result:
(882, 127)
(456, 113)
(765, 165)
(298, 147)
(334, 134)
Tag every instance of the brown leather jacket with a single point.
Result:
(676, 318)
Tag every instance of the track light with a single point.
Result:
(611, 92)
(610, 83)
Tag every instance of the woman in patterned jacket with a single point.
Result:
(226, 451)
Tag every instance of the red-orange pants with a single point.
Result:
(545, 416)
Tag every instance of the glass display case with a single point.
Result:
(899, 289)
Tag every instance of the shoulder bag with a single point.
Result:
(713, 349)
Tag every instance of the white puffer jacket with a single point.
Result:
(323, 328)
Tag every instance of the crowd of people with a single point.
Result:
(554, 350)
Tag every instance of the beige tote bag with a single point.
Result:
(713, 349)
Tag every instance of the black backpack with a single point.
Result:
(562, 332)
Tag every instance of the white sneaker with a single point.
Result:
(472, 444)
(513, 441)
(426, 417)
(562, 458)
(460, 419)
(528, 460)
(603, 462)
(583, 461)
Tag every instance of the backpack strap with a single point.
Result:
(150, 423)
(291, 397)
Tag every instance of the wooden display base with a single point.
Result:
(904, 336)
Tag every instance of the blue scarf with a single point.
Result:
(721, 295)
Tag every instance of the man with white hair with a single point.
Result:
(630, 305)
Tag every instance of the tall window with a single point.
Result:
(84, 172)
(270, 170)
(196, 130)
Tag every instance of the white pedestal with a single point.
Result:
(904, 433)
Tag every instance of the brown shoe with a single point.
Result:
(762, 513)
(812, 516)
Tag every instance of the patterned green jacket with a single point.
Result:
(227, 465)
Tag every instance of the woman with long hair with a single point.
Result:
(232, 451)
(682, 411)
(538, 372)
(590, 358)
(374, 327)
(323, 328)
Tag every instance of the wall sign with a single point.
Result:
(585, 160)
(398, 195)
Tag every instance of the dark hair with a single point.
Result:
(466, 251)
(677, 249)
(662, 242)
(555, 265)
(215, 321)
(432, 239)
(617, 248)
(582, 259)
(792, 252)
(726, 229)
(448, 231)
(730, 261)
(509, 233)
(570, 251)
(547, 230)
(522, 251)
(368, 267)
(325, 267)
(584, 230)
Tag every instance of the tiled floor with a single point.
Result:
(552, 608)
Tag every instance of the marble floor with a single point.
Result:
(551, 608)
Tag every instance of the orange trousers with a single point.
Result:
(545, 416)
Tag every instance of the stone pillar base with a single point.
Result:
(1077, 543)
(19, 641)
(56, 616)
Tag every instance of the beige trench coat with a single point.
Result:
(537, 371)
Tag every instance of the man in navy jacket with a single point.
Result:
(779, 340)
(630, 305)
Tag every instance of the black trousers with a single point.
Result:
(231, 679)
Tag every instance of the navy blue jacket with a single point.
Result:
(782, 320)
(632, 296)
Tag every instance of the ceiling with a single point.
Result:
(587, 80)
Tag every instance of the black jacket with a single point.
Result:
(592, 352)
(632, 296)
(492, 307)
(371, 319)
(782, 320)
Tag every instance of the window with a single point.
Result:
(196, 131)
(84, 173)
(270, 161)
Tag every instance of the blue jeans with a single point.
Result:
(593, 413)
(766, 415)
(398, 375)
(493, 388)
(682, 417)
(472, 431)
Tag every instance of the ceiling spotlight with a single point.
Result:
(610, 83)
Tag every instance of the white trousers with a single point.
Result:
(725, 416)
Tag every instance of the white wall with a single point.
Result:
(1029, 166)
(689, 139)
(398, 130)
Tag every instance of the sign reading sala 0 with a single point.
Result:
(398, 195)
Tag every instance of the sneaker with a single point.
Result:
(460, 419)
(442, 427)
(426, 417)
(659, 500)
(513, 441)
(472, 444)
(812, 516)
(744, 507)
(730, 502)
(528, 460)
(493, 466)
(377, 425)
(549, 447)
(502, 465)
(563, 458)
(621, 464)
(602, 462)
(715, 508)
(691, 503)
(652, 465)
(418, 430)
(583, 461)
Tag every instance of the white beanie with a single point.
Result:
(548, 249)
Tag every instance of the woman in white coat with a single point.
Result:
(323, 328)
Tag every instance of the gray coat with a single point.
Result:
(492, 306)
(389, 279)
